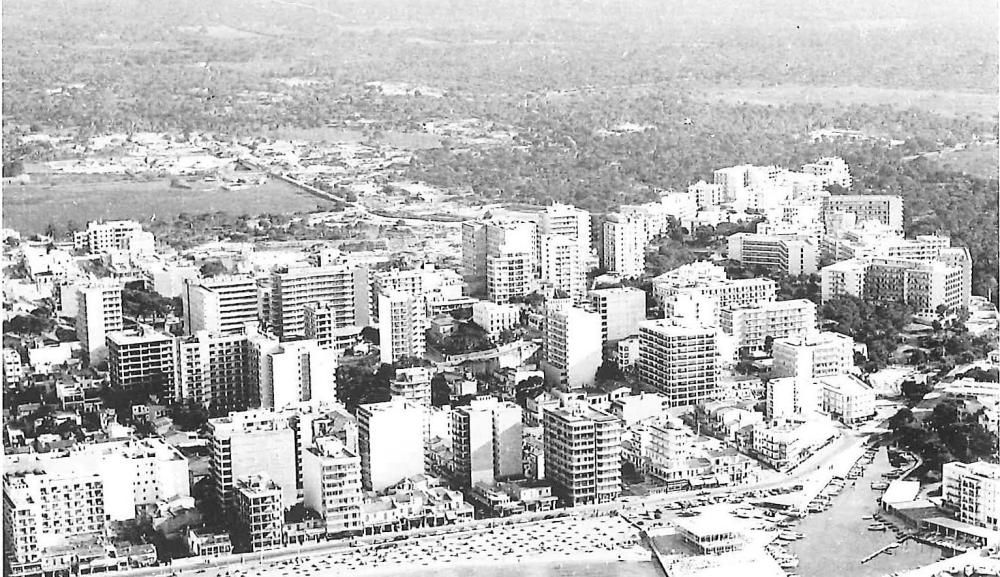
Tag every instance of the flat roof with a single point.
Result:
(900, 491)
(947, 523)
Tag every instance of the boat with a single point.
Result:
(867, 517)
(789, 536)
(876, 527)
(791, 563)
(880, 485)
(892, 545)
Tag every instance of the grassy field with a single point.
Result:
(947, 103)
(30, 208)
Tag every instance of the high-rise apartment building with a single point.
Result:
(383, 282)
(402, 326)
(499, 257)
(570, 222)
(219, 305)
(292, 371)
(46, 503)
(562, 268)
(213, 371)
(249, 443)
(391, 443)
(621, 310)
(293, 288)
(332, 485)
(583, 454)
(142, 358)
(99, 312)
(486, 441)
(324, 324)
(572, 345)
(679, 360)
(260, 511)
(624, 246)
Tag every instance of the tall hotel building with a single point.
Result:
(583, 454)
(624, 251)
(220, 305)
(680, 361)
(294, 288)
(99, 312)
(572, 346)
(486, 442)
(402, 326)
(251, 443)
(391, 443)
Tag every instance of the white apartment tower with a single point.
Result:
(624, 246)
(621, 310)
(249, 443)
(293, 288)
(815, 355)
(391, 443)
(331, 477)
(293, 371)
(486, 441)
(583, 454)
(572, 346)
(260, 511)
(402, 326)
(219, 305)
(679, 360)
(562, 268)
(972, 491)
(99, 312)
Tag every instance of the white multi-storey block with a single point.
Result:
(624, 246)
(99, 312)
(572, 347)
(621, 310)
(402, 326)
(972, 491)
(819, 354)
(495, 318)
(679, 360)
(222, 304)
(331, 476)
(250, 443)
(583, 454)
(751, 326)
(391, 443)
(486, 441)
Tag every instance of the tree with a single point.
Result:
(609, 371)
(528, 389)
(213, 268)
(440, 391)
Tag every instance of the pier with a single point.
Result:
(884, 549)
(657, 556)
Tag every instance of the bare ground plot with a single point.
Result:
(30, 208)
(946, 103)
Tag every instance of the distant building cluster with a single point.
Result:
(323, 394)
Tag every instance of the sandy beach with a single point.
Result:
(597, 540)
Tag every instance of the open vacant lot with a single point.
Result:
(31, 207)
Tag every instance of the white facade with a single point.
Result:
(832, 170)
(562, 267)
(621, 310)
(624, 246)
(583, 454)
(250, 443)
(486, 441)
(791, 397)
(494, 318)
(142, 357)
(847, 398)
(223, 304)
(99, 312)
(295, 371)
(391, 443)
(212, 371)
(820, 354)
(331, 483)
(402, 326)
(293, 288)
(885, 209)
(793, 255)
(413, 385)
(972, 490)
(681, 361)
(751, 326)
(572, 349)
